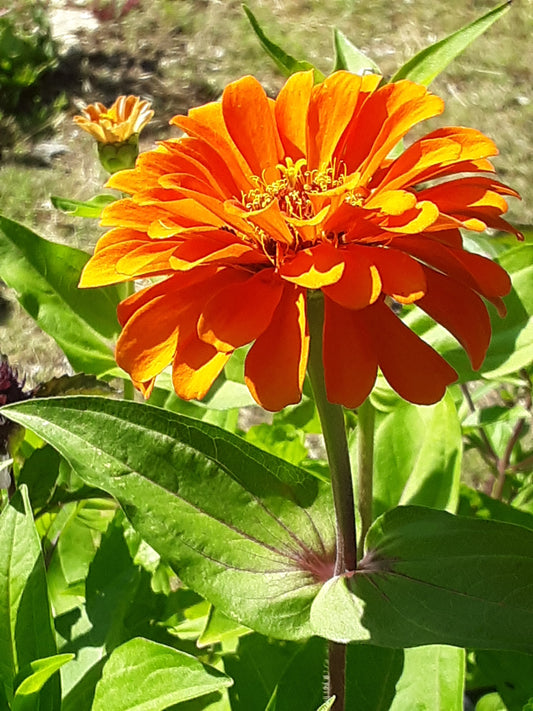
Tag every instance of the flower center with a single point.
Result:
(295, 189)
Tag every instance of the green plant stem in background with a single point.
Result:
(365, 467)
(334, 431)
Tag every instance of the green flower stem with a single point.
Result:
(365, 467)
(334, 431)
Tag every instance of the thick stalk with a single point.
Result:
(365, 467)
(334, 431)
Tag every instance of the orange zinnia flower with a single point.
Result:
(263, 203)
(125, 118)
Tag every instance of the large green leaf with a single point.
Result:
(286, 63)
(240, 526)
(431, 61)
(45, 278)
(432, 679)
(432, 578)
(26, 632)
(511, 346)
(142, 675)
(423, 678)
(418, 452)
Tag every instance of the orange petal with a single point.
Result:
(384, 119)
(331, 107)
(360, 284)
(248, 118)
(196, 366)
(461, 311)
(239, 313)
(176, 285)
(431, 156)
(291, 113)
(207, 124)
(276, 363)
(411, 367)
(148, 340)
(201, 249)
(207, 156)
(146, 260)
(315, 267)
(350, 362)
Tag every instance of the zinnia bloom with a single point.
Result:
(265, 203)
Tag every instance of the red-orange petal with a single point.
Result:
(477, 272)
(461, 311)
(360, 284)
(412, 368)
(314, 268)
(401, 276)
(275, 365)
(239, 313)
(350, 362)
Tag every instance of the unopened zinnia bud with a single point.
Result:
(116, 130)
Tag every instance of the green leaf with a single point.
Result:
(511, 346)
(111, 586)
(26, 632)
(348, 57)
(301, 687)
(371, 676)
(41, 671)
(144, 675)
(285, 441)
(511, 674)
(327, 705)
(45, 276)
(475, 503)
(256, 668)
(430, 62)
(491, 702)
(424, 678)
(417, 457)
(287, 64)
(432, 578)
(90, 208)
(219, 628)
(251, 533)
(432, 678)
